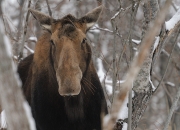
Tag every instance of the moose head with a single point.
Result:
(69, 51)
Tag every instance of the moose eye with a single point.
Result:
(51, 41)
(84, 41)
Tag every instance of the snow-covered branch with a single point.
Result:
(29, 49)
(173, 21)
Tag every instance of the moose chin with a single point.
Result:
(59, 80)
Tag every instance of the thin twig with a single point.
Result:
(119, 12)
(105, 84)
(138, 61)
(173, 5)
(163, 40)
(169, 58)
(20, 54)
(49, 9)
(114, 59)
(6, 32)
(133, 14)
(129, 34)
(105, 29)
(173, 107)
(129, 109)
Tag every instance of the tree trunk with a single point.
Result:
(142, 85)
(11, 96)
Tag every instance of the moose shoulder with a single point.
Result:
(59, 79)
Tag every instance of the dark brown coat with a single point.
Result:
(59, 79)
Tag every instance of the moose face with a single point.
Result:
(69, 49)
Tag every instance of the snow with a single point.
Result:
(29, 116)
(115, 15)
(178, 44)
(170, 84)
(29, 49)
(101, 71)
(135, 49)
(108, 85)
(33, 39)
(153, 87)
(3, 120)
(136, 41)
(123, 113)
(173, 21)
(156, 43)
(94, 29)
(154, 47)
(106, 119)
(8, 46)
(133, 94)
(109, 89)
(124, 126)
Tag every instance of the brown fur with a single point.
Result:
(59, 80)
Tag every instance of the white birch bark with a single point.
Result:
(11, 97)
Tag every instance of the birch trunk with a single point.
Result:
(11, 97)
(142, 85)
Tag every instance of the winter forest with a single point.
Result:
(135, 49)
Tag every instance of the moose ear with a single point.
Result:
(43, 19)
(91, 17)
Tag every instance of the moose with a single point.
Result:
(59, 80)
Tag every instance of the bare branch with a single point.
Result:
(133, 71)
(173, 107)
(20, 53)
(105, 29)
(29, 49)
(119, 12)
(133, 14)
(130, 109)
(169, 58)
(49, 9)
(114, 60)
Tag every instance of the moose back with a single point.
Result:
(59, 80)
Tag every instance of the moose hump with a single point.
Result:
(59, 80)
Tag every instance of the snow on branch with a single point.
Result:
(118, 13)
(33, 39)
(156, 44)
(29, 49)
(3, 123)
(115, 15)
(136, 41)
(173, 21)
